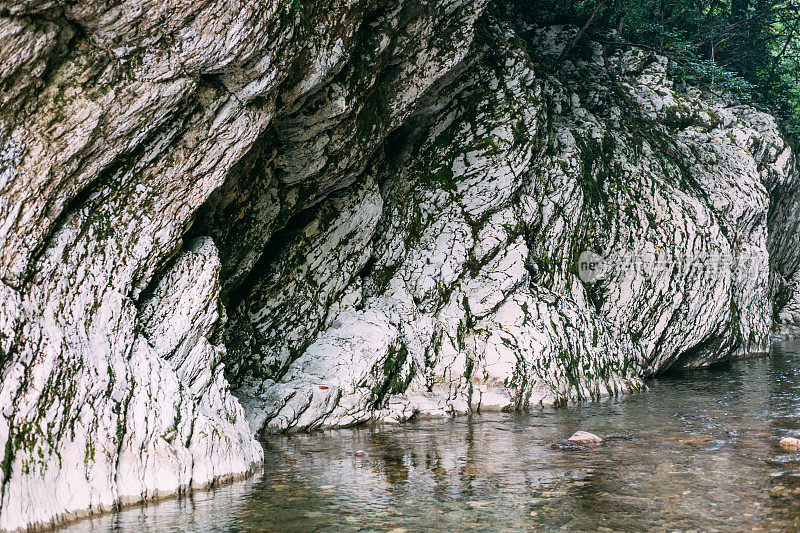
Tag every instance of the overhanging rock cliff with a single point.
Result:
(219, 220)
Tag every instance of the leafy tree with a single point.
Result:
(748, 47)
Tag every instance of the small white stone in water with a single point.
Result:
(360, 453)
(790, 444)
(584, 437)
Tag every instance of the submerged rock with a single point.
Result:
(567, 445)
(618, 436)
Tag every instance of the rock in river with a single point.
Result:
(583, 437)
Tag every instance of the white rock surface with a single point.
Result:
(118, 122)
(502, 179)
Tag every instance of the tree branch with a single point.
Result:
(577, 38)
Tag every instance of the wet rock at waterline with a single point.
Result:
(567, 445)
(583, 437)
(790, 444)
(230, 221)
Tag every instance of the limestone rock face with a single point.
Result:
(224, 219)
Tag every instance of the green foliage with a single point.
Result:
(750, 48)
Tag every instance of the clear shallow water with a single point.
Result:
(703, 456)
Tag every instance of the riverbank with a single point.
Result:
(701, 453)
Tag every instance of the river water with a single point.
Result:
(698, 451)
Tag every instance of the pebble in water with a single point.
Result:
(360, 453)
(583, 437)
(790, 444)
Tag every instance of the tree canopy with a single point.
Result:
(749, 47)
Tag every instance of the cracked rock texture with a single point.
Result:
(222, 219)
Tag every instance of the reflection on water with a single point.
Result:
(700, 453)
